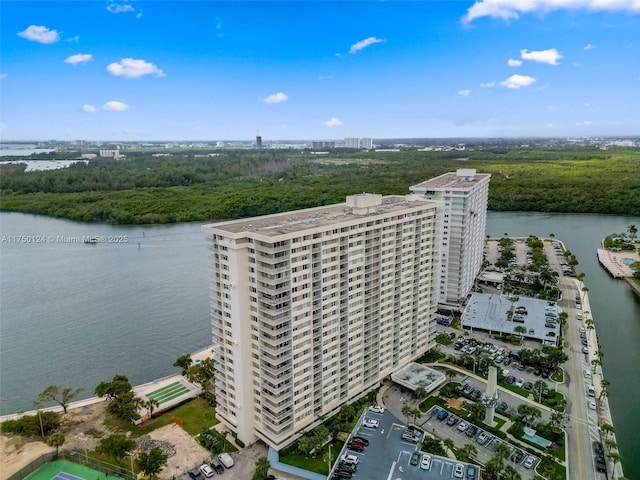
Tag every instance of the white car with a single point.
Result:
(376, 409)
(591, 403)
(587, 373)
(426, 462)
(519, 382)
(579, 316)
(591, 392)
(462, 426)
(371, 423)
(347, 458)
(206, 470)
(458, 470)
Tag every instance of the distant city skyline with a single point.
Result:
(199, 71)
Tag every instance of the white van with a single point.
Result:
(226, 460)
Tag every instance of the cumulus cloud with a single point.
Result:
(133, 68)
(512, 9)
(514, 63)
(334, 122)
(78, 58)
(488, 85)
(90, 108)
(464, 93)
(115, 106)
(356, 47)
(40, 34)
(75, 39)
(550, 56)
(278, 97)
(114, 7)
(518, 81)
(589, 46)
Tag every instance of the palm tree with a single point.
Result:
(150, 405)
(502, 450)
(406, 411)
(55, 440)
(467, 452)
(448, 443)
(511, 473)
(604, 383)
(616, 458)
(420, 394)
(607, 428)
(611, 444)
(450, 374)
(589, 323)
(539, 387)
(632, 231)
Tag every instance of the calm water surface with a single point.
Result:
(74, 314)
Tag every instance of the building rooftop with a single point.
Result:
(415, 375)
(489, 312)
(463, 178)
(357, 207)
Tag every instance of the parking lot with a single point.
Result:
(388, 455)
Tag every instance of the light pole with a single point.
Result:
(133, 473)
(41, 428)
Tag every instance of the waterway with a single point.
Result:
(75, 314)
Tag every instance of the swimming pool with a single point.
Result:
(628, 261)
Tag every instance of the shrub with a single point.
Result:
(240, 443)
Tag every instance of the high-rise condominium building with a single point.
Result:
(313, 308)
(464, 195)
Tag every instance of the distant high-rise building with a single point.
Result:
(258, 141)
(366, 143)
(313, 308)
(110, 153)
(351, 143)
(318, 145)
(465, 195)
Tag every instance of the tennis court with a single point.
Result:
(168, 392)
(65, 470)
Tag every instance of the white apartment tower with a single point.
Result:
(464, 195)
(313, 308)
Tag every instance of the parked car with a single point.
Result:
(415, 459)
(217, 466)
(527, 385)
(376, 409)
(348, 458)
(452, 420)
(361, 440)
(471, 472)
(426, 462)
(591, 392)
(463, 426)
(587, 373)
(519, 382)
(349, 467)
(355, 446)
(458, 470)
(195, 474)
(591, 404)
(370, 423)
(226, 460)
(483, 438)
(442, 414)
(207, 471)
(529, 461)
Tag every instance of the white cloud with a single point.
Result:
(78, 58)
(518, 81)
(550, 56)
(589, 46)
(586, 123)
(356, 47)
(587, 104)
(3, 76)
(514, 63)
(325, 77)
(90, 108)
(75, 39)
(120, 8)
(464, 93)
(40, 34)
(488, 85)
(133, 68)
(334, 122)
(278, 97)
(512, 9)
(115, 106)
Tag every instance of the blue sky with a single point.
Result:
(169, 70)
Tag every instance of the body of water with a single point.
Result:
(36, 165)
(75, 314)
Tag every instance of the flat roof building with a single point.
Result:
(464, 195)
(313, 308)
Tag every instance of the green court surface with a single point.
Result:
(168, 392)
(51, 470)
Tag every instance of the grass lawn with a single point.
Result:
(319, 463)
(558, 376)
(551, 470)
(442, 339)
(196, 415)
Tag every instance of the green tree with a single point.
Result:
(202, 373)
(420, 393)
(433, 445)
(123, 402)
(55, 440)
(116, 447)
(539, 387)
(606, 429)
(150, 404)
(305, 445)
(494, 466)
(604, 391)
(476, 411)
(448, 443)
(61, 395)
(510, 473)
(262, 469)
(632, 231)
(528, 413)
(120, 384)
(615, 458)
(467, 452)
(407, 411)
(152, 462)
(183, 362)
(557, 419)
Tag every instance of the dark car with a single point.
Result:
(344, 473)
(511, 380)
(507, 361)
(350, 467)
(471, 431)
(355, 446)
(597, 448)
(517, 455)
(527, 385)
(442, 414)
(217, 466)
(502, 406)
(361, 440)
(415, 459)
(196, 474)
(452, 420)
